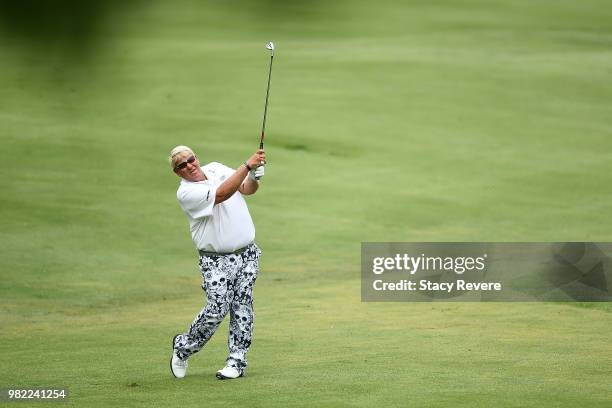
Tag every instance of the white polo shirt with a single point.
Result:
(224, 227)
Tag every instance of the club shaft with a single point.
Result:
(263, 126)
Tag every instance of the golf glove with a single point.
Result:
(257, 174)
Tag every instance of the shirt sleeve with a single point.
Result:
(197, 200)
(222, 169)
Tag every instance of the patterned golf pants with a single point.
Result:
(228, 281)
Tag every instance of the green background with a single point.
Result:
(388, 121)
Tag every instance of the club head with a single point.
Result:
(270, 46)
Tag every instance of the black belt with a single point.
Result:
(236, 252)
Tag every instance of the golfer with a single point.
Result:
(222, 230)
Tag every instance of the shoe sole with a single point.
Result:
(172, 371)
(222, 377)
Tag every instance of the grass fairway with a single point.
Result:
(388, 121)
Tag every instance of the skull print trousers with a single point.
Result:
(228, 282)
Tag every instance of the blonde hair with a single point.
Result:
(176, 151)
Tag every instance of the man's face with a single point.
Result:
(188, 167)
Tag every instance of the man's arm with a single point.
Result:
(248, 186)
(236, 180)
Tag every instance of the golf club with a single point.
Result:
(270, 47)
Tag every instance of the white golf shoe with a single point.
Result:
(228, 373)
(178, 367)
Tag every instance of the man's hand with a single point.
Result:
(258, 159)
(257, 174)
